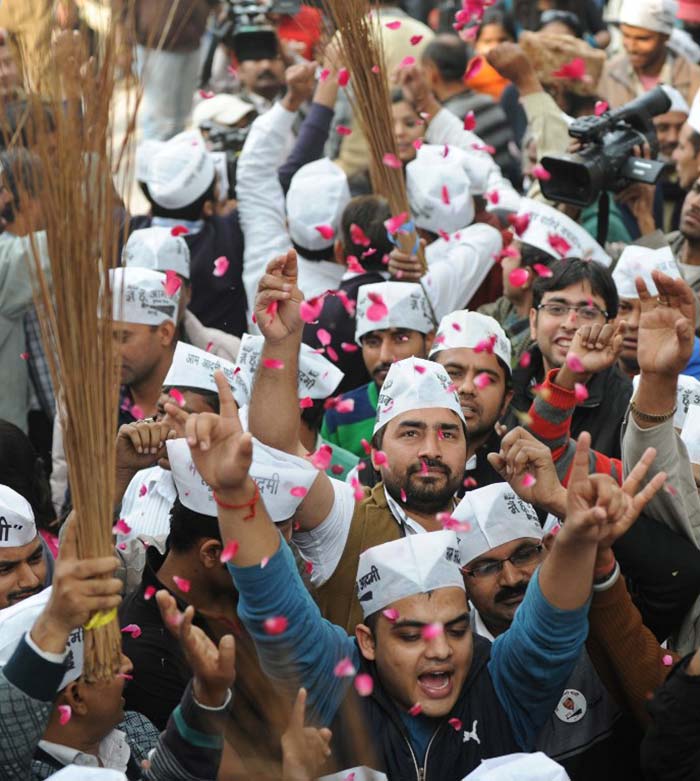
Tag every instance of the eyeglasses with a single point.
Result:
(520, 558)
(587, 313)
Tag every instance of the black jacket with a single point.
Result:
(601, 414)
(671, 748)
(384, 744)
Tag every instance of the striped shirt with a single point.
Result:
(348, 429)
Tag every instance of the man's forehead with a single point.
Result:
(506, 549)
(464, 357)
(389, 332)
(20, 552)
(432, 416)
(580, 292)
(442, 604)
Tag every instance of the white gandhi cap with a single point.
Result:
(181, 171)
(472, 330)
(139, 296)
(157, 249)
(640, 262)
(17, 527)
(656, 15)
(415, 384)
(415, 564)
(194, 368)
(383, 305)
(496, 515)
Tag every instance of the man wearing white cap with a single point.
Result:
(685, 242)
(308, 217)
(145, 311)
(501, 548)
(180, 180)
(476, 354)
(430, 695)
(24, 563)
(54, 717)
(646, 26)
(162, 250)
(637, 262)
(668, 126)
(393, 321)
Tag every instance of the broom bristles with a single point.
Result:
(72, 294)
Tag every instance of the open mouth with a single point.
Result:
(436, 685)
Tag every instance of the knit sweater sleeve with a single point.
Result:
(629, 650)
(550, 421)
(310, 645)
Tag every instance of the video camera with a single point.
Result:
(245, 28)
(606, 161)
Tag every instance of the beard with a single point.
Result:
(423, 495)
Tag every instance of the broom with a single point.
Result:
(360, 44)
(73, 300)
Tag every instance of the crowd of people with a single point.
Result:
(397, 496)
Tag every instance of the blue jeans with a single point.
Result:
(169, 80)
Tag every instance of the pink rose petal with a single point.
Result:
(574, 70)
(354, 265)
(667, 660)
(172, 283)
(541, 173)
(407, 62)
(221, 265)
(456, 724)
(306, 403)
(264, 562)
(346, 347)
(364, 684)
(380, 458)
(558, 244)
(542, 270)
(323, 336)
(24, 356)
(445, 194)
(375, 69)
(414, 40)
(403, 496)
(179, 230)
(149, 592)
(310, 310)
(344, 668)
(143, 490)
(390, 160)
(321, 459)
(357, 490)
(493, 197)
(394, 224)
(574, 363)
(133, 629)
(486, 345)
(229, 551)
(474, 67)
(343, 77)
(431, 631)
(323, 76)
(64, 714)
(525, 360)
(470, 482)
(580, 392)
(393, 25)
(299, 491)
(358, 236)
(182, 583)
(482, 380)
(600, 108)
(518, 277)
(345, 405)
(378, 309)
(177, 397)
(121, 527)
(416, 710)
(273, 363)
(528, 480)
(519, 222)
(326, 231)
(276, 625)
(470, 121)
(391, 614)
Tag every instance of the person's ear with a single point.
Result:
(167, 330)
(507, 398)
(429, 339)
(73, 695)
(533, 324)
(366, 642)
(339, 252)
(210, 554)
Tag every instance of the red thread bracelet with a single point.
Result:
(251, 503)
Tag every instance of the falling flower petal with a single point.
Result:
(182, 583)
(179, 230)
(380, 458)
(402, 494)
(525, 360)
(393, 25)
(375, 69)
(275, 625)
(172, 283)
(143, 490)
(391, 614)
(574, 70)
(24, 356)
(558, 244)
(542, 270)
(470, 121)
(321, 459)
(125, 676)
(273, 363)
(450, 523)
(417, 144)
(358, 236)
(474, 67)
(64, 714)
(345, 405)
(344, 669)
(470, 482)
(574, 363)
(390, 160)
(206, 94)
(349, 348)
(306, 403)
(264, 561)
(132, 629)
(323, 76)
(493, 197)
(149, 592)
(484, 148)
(357, 489)
(323, 336)
(667, 660)
(343, 130)
(229, 551)
(414, 40)
(407, 62)
(416, 709)
(486, 345)
(456, 724)
(337, 469)
(529, 480)
(580, 392)
(343, 77)
(394, 224)
(482, 380)
(299, 491)
(221, 265)
(541, 173)
(445, 195)
(518, 277)
(177, 397)
(378, 309)
(431, 631)
(519, 222)
(600, 108)
(121, 527)
(310, 310)
(364, 684)
(326, 231)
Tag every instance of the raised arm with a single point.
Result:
(273, 417)
(274, 604)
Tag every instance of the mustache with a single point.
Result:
(508, 592)
(18, 596)
(268, 74)
(431, 463)
(383, 367)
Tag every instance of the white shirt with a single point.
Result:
(114, 753)
(150, 513)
